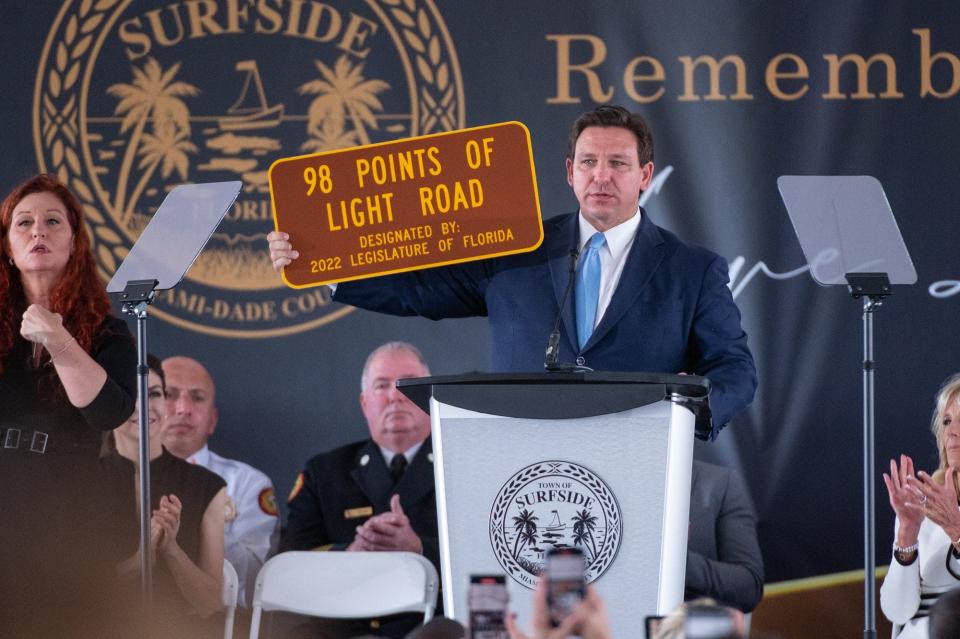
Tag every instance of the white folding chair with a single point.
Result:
(345, 585)
(231, 589)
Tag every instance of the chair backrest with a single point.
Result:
(231, 589)
(345, 585)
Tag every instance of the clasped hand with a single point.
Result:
(389, 531)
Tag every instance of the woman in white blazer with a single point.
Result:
(926, 550)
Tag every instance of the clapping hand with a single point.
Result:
(937, 502)
(167, 519)
(905, 500)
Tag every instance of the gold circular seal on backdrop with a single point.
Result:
(134, 98)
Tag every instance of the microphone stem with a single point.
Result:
(553, 342)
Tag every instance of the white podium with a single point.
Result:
(596, 460)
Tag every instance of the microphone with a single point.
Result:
(550, 361)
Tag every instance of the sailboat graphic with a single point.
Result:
(552, 535)
(555, 525)
(251, 111)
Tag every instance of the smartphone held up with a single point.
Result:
(566, 585)
(487, 603)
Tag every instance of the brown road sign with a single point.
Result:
(408, 204)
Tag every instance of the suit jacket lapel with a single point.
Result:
(560, 243)
(417, 480)
(644, 258)
(373, 478)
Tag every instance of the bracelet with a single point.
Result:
(906, 550)
(906, 555)
(62, 349)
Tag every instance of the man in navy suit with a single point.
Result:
(661, 305)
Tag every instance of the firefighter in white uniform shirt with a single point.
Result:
(252, 522)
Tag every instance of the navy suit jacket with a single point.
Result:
(723, 554)
(672, 310)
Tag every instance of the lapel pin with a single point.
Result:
(365, 460)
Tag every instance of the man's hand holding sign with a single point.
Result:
(405, 205)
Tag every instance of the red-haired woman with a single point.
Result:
(67, 373)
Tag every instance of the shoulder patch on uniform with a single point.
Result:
(297, 485)
(268, 502)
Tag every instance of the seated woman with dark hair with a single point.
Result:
(186, 529)
(926, 550)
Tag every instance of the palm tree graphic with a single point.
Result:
(584, 524)
(153, 96)
(526, 526)
(342, 91)
(169, 147)
(331, 136)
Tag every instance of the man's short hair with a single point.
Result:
(610, 115)
(391, 347)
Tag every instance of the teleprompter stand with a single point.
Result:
(136, 297)
(850, 237)
(168, 246)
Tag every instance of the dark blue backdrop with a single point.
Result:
(288, 388)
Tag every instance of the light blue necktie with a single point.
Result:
(588, 287)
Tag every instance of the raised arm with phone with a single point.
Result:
(587, 619)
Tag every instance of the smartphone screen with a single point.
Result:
(565, 582)
(487, 603)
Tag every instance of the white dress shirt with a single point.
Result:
(613, 256)
(410, 453)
